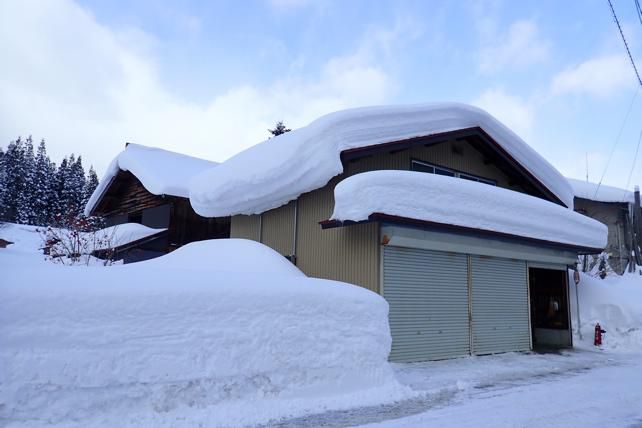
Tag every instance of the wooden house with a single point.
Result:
(149, 186)
(616, 208)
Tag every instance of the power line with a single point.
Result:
(617, 140)
(635, 158)
(626, 45)
(639, 10)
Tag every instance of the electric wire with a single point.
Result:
(617, 140)
(626, 45)
(635, 158)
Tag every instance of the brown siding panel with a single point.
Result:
(245, 226)
(278, 229)
(349, 254)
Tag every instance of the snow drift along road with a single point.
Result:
(175, 340)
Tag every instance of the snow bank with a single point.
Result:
(453, 201)
(278, 170)
(601, 193)
(616, 303)
(160, 171)
(178, 341)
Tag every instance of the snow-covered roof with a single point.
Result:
(280, 169)
(600, 193)
(456, 202)
(123, 234)
(160, 171)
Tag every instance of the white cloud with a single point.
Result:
(85, 89)
(521, 46)
(512, 111)
(601, 76)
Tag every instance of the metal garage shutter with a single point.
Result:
(499, 305)
(428, 296)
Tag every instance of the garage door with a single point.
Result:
(499, 305)
(428, 296)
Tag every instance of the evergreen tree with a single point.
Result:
(76, 186)
(42, 186)
(279, 128)
(12, 161)
(3, 182)
(25, 208)
(57, 205)
(90, 186)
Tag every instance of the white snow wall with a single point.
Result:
(93, 344)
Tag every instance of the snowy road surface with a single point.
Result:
(581, 388)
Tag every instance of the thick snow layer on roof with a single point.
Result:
(122, 234)
(160, 171)
(458, 202)
(183, 340)
(278, 170)
(600, 193)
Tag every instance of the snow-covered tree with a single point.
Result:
(13, 162)
(43, 178)
(25, 211)
(279, 128)
(90, 185)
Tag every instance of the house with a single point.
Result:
(615, 208)
(462, 227)
(149, 186)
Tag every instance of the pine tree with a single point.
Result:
(43, 186)
(279, 128)
(57, 204)
(90, 185)
(3, 182)
(25, 208)
(13, 161)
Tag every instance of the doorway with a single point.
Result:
(550, 321)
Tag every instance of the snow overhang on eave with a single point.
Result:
(456, 229)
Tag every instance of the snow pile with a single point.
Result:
(278, 170)
(600, 193)
(616, 303)
(160, 171)
(178, 341)
(453, 201)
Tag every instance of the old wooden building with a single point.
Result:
(149, 186)
(616, 208)
(459, 280)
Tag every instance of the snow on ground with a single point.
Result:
(154, 353)
(162, 343)
(280, 169)
(601, 192)
(440, 199)
(616, 303)
(160, 171)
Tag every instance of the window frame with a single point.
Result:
(448, 171)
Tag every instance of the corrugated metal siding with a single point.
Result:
(428, 296)
(245, 226)
(499, 305)
(349, 254)
(278, 229)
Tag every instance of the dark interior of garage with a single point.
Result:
(549, 308)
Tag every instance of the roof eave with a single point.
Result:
(425, 224)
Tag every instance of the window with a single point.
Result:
(440, 170)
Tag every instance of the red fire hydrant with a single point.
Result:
(598, 335)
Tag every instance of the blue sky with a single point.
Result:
(207, 78)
